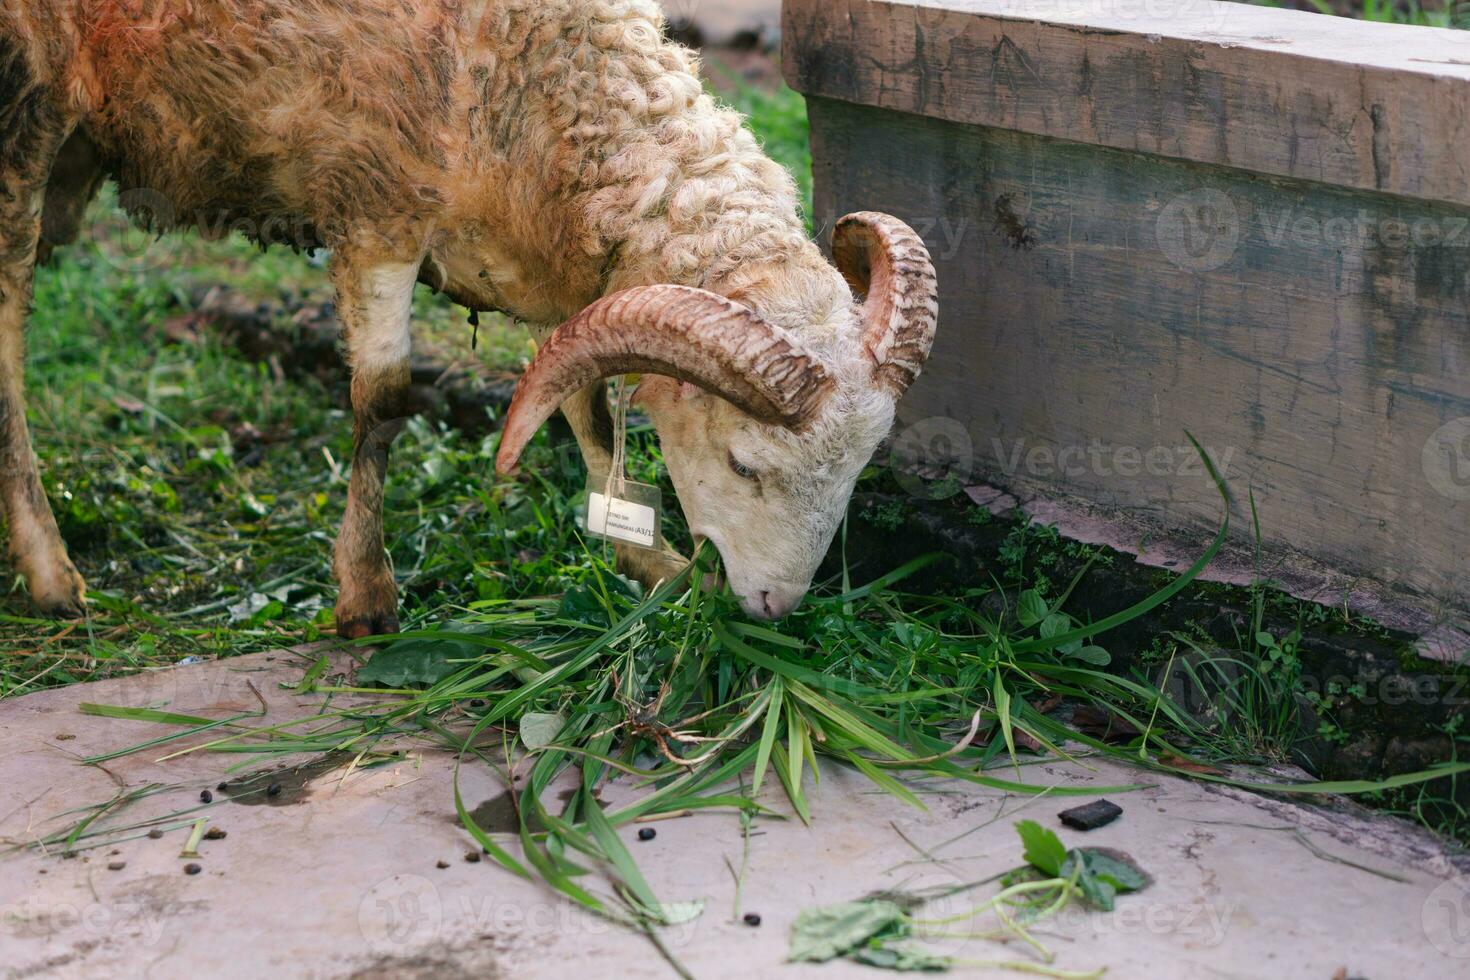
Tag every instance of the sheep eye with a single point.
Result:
(741, 470)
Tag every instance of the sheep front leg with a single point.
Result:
(36, 547)
(28, 144)
(373, 303)
(591, 421)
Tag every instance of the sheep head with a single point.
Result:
(764, 436)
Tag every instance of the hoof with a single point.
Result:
(385, 624)
(60, 595)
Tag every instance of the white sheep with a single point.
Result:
(554, 159)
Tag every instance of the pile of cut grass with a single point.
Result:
(677, 694)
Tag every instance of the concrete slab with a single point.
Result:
(338, 877)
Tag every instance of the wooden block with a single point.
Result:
(1097, 304)
(1354, 104)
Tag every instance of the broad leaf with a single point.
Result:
(828, 932)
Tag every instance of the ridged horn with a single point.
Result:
(885, 260)
(677, 331)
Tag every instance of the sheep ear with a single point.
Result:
(698, 337)
(886, 262)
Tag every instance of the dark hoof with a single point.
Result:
(57, 591)
(69, 607)
(356, 629)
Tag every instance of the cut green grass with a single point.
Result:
(688, 706)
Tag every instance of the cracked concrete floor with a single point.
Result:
(339, 877)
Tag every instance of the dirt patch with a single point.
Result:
(303, 340)
(282, 786)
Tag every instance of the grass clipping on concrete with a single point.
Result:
(701, 709)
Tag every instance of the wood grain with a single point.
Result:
(1352, 104)
(1097, 304)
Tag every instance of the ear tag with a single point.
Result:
(619, 509)
(623, 511)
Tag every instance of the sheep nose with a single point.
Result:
(770, 605)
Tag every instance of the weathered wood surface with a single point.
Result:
(1369, 106)
(1098, 303)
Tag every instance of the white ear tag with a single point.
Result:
(617, 508)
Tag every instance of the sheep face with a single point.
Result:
(768, 498)
(768, 402)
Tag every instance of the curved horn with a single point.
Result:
(677, 331)
(883, 259)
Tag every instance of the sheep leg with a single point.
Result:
(31, 131)
(373, 303)
(591, 421)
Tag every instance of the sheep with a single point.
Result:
(557, 160)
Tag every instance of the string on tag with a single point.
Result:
(618, 509)
(617, 476)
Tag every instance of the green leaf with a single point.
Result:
(1031, 608)
(417, 663)
(144, 714)
(1003, 713)
(1055, 624)
(617, 854)
(825, 933)
(587, 604)
(768, 733)
(904, 957)
(539, 729)
(1041, 848)
(1104, 875)
(1094, 655)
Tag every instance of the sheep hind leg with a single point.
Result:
(373, 302)
(587, 413)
